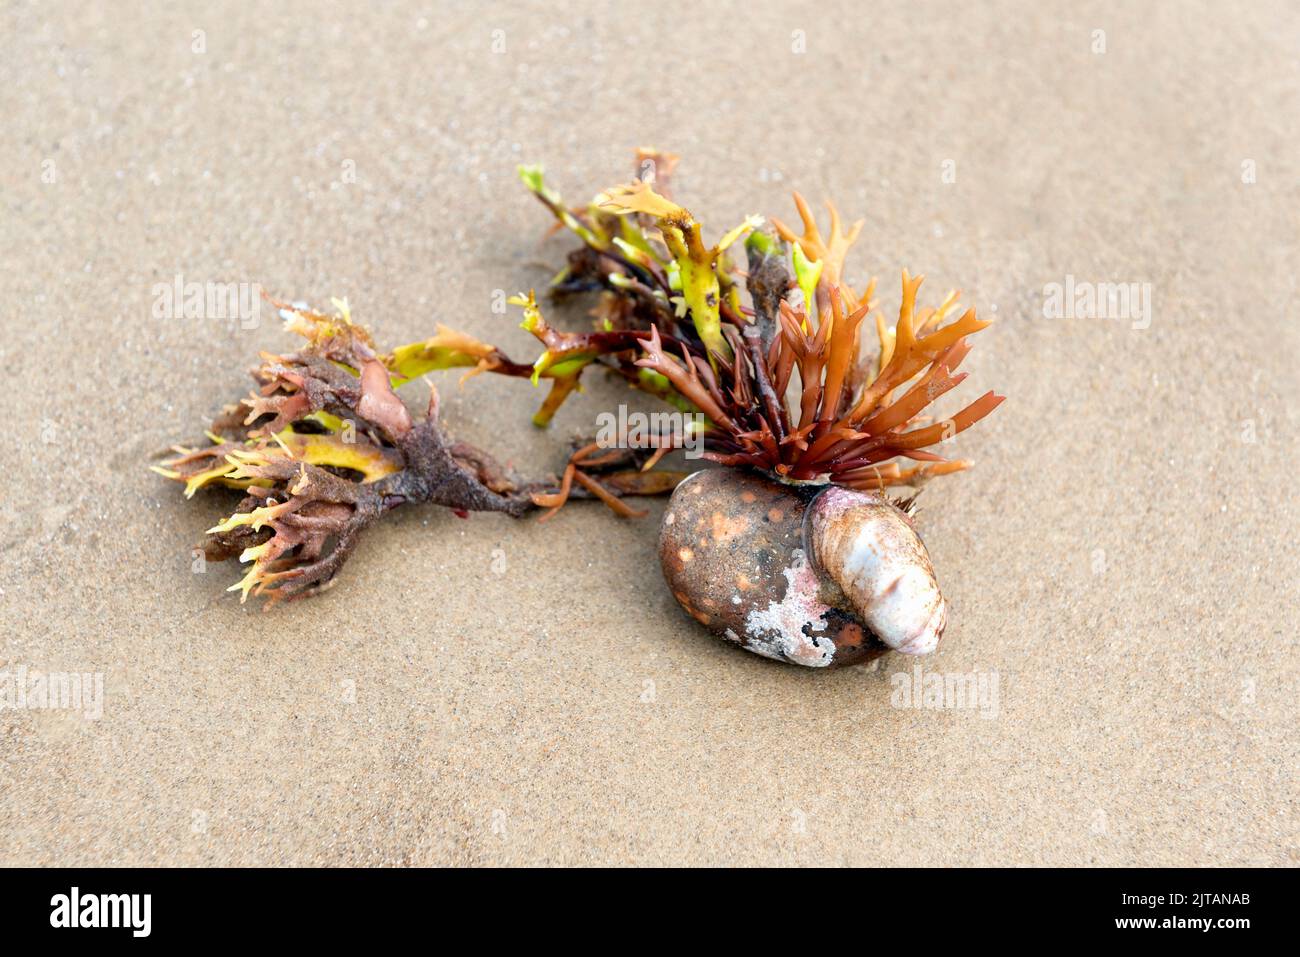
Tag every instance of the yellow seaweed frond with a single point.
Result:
(372, 461)
(448, 349)
(254, 575)
(640, 197)
(751, 222)
(196, 481)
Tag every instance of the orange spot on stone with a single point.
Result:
(775, 514)
(748, 497)
(685, 554)
(743, 582)
(725, 529)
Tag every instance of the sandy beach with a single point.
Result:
(1120, 563)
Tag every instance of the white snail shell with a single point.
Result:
(869, 548)
(816, 576)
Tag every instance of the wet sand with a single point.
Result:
(1121, 560)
